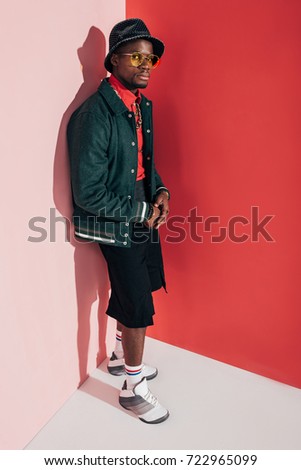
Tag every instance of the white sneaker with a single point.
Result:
(116, 367)
(143, 403)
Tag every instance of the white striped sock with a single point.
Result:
(118, 345)
(133, 375)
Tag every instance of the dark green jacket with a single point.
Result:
(102, 141)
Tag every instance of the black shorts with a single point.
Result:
(134, 274)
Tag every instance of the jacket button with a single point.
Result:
(126, 234)
(133, 144)
(148, 158)
(148, 131)
(125, 243)
(127, 224)
(132, 170)
(129, 115)
(130, 197)
(147, 103)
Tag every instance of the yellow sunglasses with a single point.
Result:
(137, 58)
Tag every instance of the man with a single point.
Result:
(120, 201)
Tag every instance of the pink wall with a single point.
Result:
(227, 117)
(50, 309)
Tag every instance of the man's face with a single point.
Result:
(132, 77)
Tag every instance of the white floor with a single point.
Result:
(212, 406)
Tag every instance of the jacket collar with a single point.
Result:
(124, 93)
(115, 103)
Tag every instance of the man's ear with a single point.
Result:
(114, 59)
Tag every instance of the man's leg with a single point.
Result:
(135, 395)
(130, 340)
(134, 338)
(133, 345)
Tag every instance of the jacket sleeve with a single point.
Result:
(159, 184)
(88, 140)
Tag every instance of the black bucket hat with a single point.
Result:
(129, 30)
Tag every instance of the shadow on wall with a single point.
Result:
(90, 270)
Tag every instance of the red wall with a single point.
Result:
(227, 121)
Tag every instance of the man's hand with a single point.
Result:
(161, 202)
(151, 223)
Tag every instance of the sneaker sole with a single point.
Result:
(156, 421)
(116, 370)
